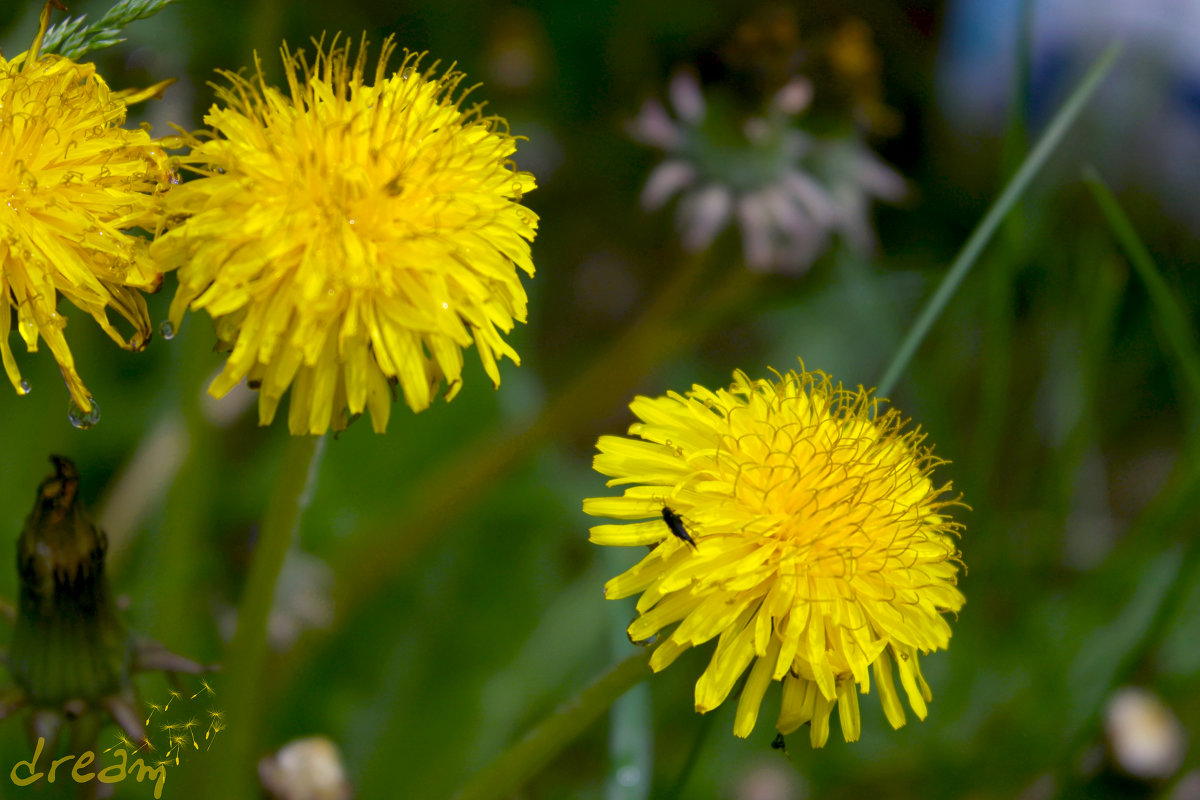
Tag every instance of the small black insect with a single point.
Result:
(779, 744)
(675, 523)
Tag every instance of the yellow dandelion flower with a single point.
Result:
(351, 236)
(74, 182)
(821, 552)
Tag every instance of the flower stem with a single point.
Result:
(243, 689)
(518, 763)
(979, 238)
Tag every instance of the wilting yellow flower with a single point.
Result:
(351, 236)
(822, 552)
(74, 181)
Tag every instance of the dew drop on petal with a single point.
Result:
(166, 330)
(25, 387)
(83, 419)
(642, 642)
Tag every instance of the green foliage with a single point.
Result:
(71, 38)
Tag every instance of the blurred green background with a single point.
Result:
(445, 596)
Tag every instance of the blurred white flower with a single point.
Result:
(787, 191)
(305, 769)
(1146, 738)
(768, 780)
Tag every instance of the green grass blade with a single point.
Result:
(1016, 128)
(631, 746)
(631, 731)
(1170, 322)
(1009, 255)
(703, 727)
(967, 257)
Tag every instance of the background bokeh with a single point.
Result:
(443, 596)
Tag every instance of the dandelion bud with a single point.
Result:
(71, 653)
(68, 643)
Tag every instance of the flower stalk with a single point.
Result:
(540, 745)
(246, 684)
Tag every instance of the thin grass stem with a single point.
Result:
(979, 238)
(631, 735)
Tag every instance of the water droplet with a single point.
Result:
(629, 775)
(166, 330)
(25, 387)
(642, 642)
(83, 419)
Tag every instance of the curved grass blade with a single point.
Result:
(1175, 333)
